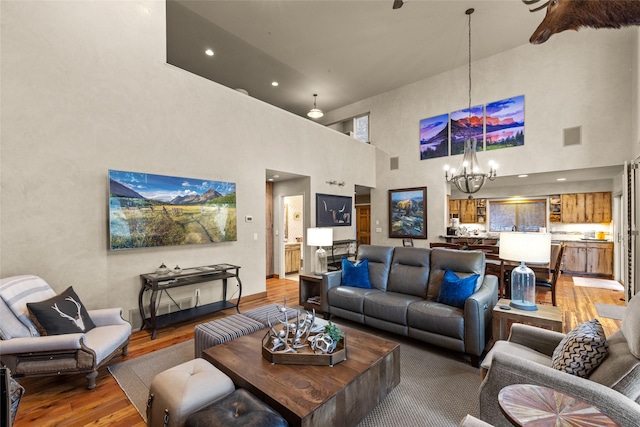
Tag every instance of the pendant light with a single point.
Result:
(315, 113)
(469, 178)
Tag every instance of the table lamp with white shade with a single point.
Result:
(320, 237)
(524, 247)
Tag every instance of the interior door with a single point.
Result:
(363, 224)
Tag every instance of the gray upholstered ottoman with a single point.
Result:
(241, 409)
(261, 314)
(184, 389)
(206, 335)
(225, 329)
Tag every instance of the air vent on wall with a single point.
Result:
(572, 136)
(394, 163)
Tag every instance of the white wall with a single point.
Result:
(580, 78)
(85, 88)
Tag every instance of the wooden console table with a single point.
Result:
(162, 282)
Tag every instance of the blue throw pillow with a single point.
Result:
(454, 291)
(356, 275)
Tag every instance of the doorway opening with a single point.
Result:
(293, 232)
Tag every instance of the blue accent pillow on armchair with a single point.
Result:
(454, 290)
(356, 275)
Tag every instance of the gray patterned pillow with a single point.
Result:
(581, 350)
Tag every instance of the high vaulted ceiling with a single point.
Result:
(343, 50)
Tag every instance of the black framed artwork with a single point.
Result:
(333, 211)
(408, 213)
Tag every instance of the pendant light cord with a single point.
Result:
(469, 12)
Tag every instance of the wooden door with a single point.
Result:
(363, 224)
(269, 228)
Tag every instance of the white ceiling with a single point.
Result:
(343, 50)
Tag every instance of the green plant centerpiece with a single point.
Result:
(333, 331)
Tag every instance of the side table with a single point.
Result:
(528, 404)
(546, 316)
(310, 292)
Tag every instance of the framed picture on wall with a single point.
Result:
(147, 210)
(408, 213)
(333, 211)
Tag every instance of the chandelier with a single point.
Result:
(469, 178)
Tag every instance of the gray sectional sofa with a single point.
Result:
(403, 298)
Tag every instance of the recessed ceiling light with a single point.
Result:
(209, 52)
(276, 176)
(561, 179)
(524, 175)
(274, 84)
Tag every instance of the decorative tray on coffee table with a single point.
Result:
(305, 355)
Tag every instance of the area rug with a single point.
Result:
(611, 311)
(437, 387)
(597, 283)
(134, 376)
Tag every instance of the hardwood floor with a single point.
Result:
(65, 401)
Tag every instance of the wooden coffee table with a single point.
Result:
(341, 395)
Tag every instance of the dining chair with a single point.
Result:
(550, 281)
(494, 265)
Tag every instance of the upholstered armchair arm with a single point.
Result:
(507, 369)
(44, 343)
(107, 316)
(542, 340)
(478, 309)
(330, 280)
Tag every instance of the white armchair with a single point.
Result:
(29, 354)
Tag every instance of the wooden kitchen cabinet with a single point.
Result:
(598, 207)
(291, 258)
(468, 211)
(588, 258)
(600, 258)
(454, 208)
(582, 208)
(575, 257)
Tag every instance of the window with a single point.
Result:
(361, 127)
(524, 215)
(356, 127)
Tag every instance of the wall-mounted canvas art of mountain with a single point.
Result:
(466, 124)
(505, 123)
(147, 210)
(434, 137)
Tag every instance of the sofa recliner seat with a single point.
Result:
(404, 296)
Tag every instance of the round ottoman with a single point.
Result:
(240, 408)
(184, 389)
